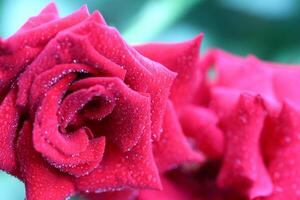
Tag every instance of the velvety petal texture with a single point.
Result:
(243, 168)
(181, 58)
(41, 180)
(270, 120)
(9, 117)
(201, 125)
(282, 145)
(173, 147)
(80, 109)
(240, 114)
(115, 195)
(84, 113)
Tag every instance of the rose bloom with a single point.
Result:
(82, 112)
(244, 118)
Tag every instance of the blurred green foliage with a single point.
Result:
(267, 28)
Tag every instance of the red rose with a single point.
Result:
(82, 110)
(254, 105)
(172, 149)
(189, 93)
(84, 113)
(195, 120)
(260, 119)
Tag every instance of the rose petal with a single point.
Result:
(44, 81)
(201, 125)
(243, 168)
(142, 74)
(193, 183)
(128, 194)
(283, 147)
(67, 48)
(41, 181)
(246, 74)
(3, 47)
(46, 120)
(223, 99)
(78, 100)
(86, 161)
(87, 42)
(130, 115)
(42, 33)
(12, 64)
(65, 151)
(172, 149)
(119, 170)
(274, 82)
(240, 73)
(9, 119)
(181, 58)
(170, 191)
(13, 61)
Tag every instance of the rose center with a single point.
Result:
(85, 108)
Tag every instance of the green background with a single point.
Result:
(269, 29)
